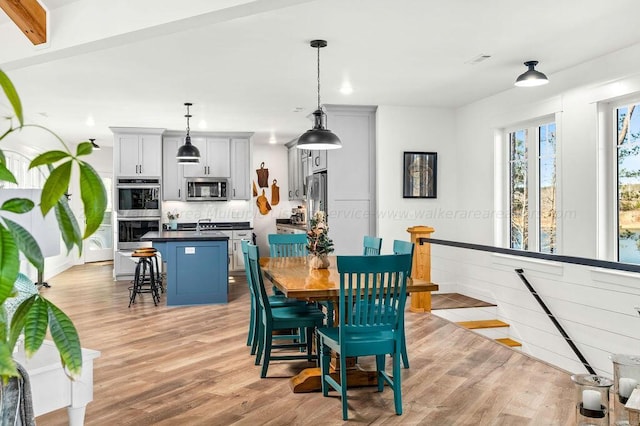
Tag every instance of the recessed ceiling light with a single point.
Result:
(298, 109)
(202, 124)
(477, 59)
(346, 88)
(90, 122)
(273, 140)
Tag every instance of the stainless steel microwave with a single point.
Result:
(207, 189)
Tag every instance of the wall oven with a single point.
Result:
(138, 197)
(130, 229)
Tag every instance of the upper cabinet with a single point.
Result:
(240, 169)
(138, 152)
(318, 160)
(214, 158)
(172, 172)
(226, 155)
(298, 170)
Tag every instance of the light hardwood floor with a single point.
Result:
(190, 366)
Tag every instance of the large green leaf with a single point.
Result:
(35, 326)
(68, 225)
(6, 175)
(48, 157)
(55, 186)
(7, 364)
(12, 95)
(19, 319)
(84, 148)
(94, 198)
(3, 324)
(26, 244)
(65, 336)
(17, 205)
(9, 263)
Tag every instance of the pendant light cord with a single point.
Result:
(188, 116)
(318, 77)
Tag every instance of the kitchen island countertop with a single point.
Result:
(184, 236)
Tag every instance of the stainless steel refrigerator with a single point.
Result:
(317, 194)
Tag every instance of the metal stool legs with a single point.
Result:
(145, 278)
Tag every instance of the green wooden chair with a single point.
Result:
(276, 301)
(404, 247)
(287, 245)
(284, 318)
(372, 246)
(373, 293)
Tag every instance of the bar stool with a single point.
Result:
(159, 280)
(145, 277)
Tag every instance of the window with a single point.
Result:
(532, 187)
(627, 120)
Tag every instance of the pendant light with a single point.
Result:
(318, 137)
(95, 146)
(531, 77)
(187, 153)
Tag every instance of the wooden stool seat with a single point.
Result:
(142, 254)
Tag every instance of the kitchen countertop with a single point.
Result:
(184, 236)
(287, 224)
(208, 226)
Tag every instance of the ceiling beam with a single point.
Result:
(29, 16)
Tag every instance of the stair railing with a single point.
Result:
(544, 256)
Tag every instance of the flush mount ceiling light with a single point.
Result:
(531, 77)
(95, 146)
(187, 153)
(319, 137)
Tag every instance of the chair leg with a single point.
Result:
(403, 348)
(343, 387)
(397, 384)
(380, 360)
(309, 331)
(257, 330)
(267, 351)
(260, 341)
(325, 353)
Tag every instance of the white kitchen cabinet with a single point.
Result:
(238, 256)
(138, 154)
(298, 169)
(318, 160)
(214, 157)
(240, 169)
(172, 172)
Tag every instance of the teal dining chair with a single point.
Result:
(276, 301)
(275, 319)
(287, 245)
(372, 246)
(404, 247)
(372, 297)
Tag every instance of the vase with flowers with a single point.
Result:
(173, 219)
(319, 245)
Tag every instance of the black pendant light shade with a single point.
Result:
(531, 77)
(95, 146)
(319, 137)
(187, 153)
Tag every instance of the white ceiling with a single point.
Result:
(250, 73)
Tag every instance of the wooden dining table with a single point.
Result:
(294, 277)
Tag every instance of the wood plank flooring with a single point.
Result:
(190, 366)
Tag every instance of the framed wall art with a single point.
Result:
(419, 175)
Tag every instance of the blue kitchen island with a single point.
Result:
(197, 265)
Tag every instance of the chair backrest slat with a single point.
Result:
(287, 245)
(372, 246)
(373, 292)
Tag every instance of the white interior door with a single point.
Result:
(99, 246)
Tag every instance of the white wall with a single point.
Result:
(275, 159)
(595, 307)
(402, 129)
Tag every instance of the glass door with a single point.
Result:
(99, 246)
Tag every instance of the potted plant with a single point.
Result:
(319, 245)
(35, 314)
(173, 219)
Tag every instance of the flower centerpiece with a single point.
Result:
(173, 219)
(319, 245)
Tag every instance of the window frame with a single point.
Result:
(533, 182)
